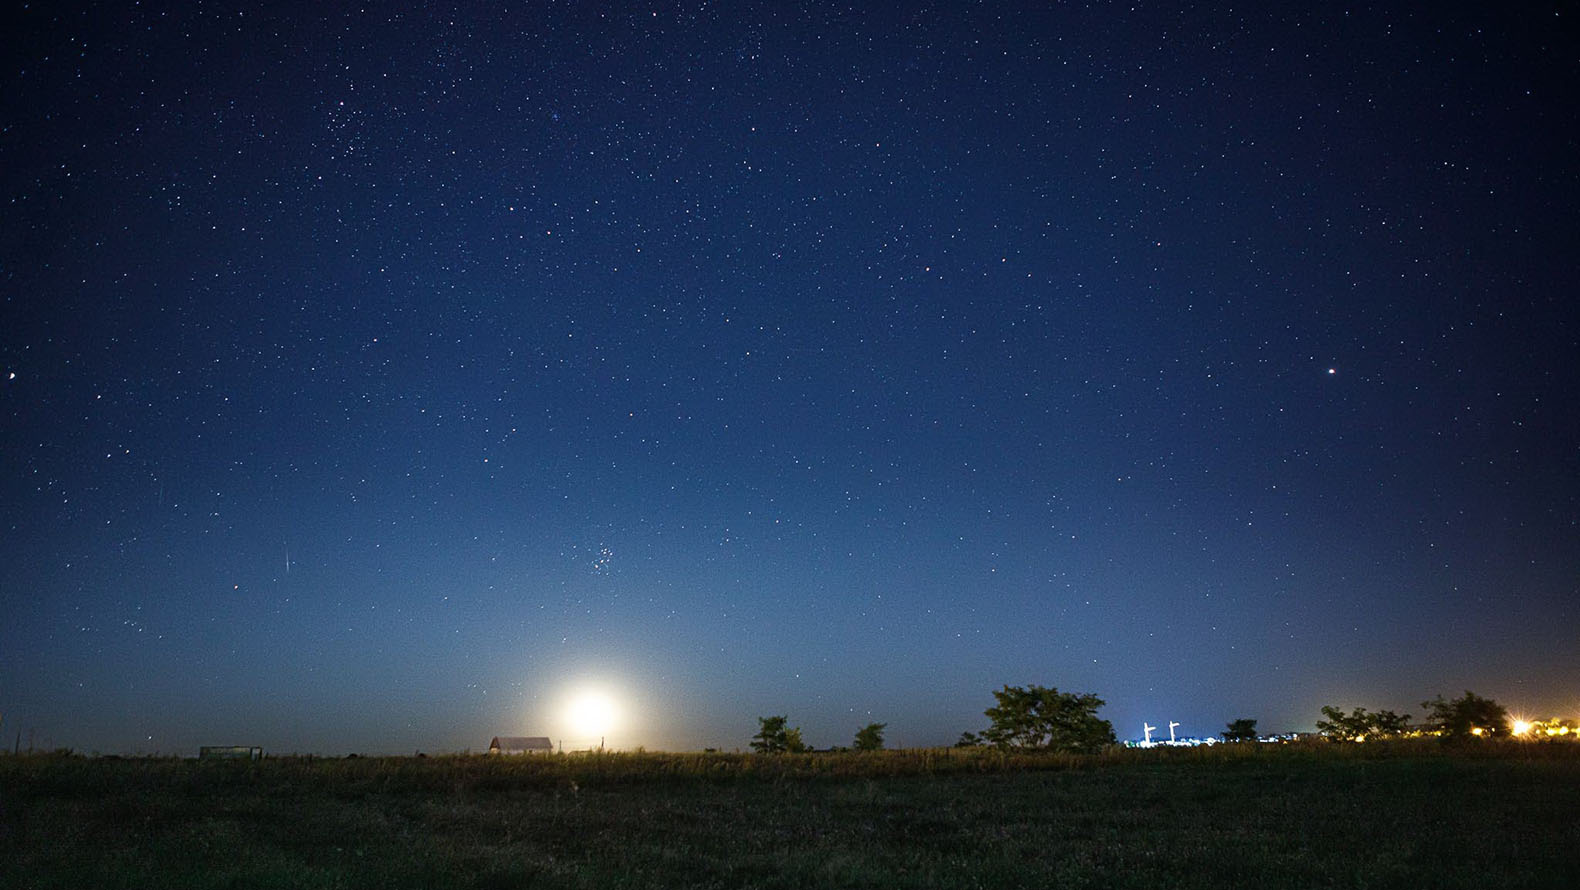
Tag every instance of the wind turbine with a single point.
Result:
(1172, 724)
(1146, 729)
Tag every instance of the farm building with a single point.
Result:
(513, 744)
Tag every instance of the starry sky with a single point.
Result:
(374, 378)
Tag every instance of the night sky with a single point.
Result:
(374, 381)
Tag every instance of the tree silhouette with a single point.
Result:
(772, 737)
(870, 737)
(1361, 724)
(1241, 730)
(1044, 719)
(1468, 715)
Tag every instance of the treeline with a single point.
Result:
(1469, 716)
(1043, 719)
(1024, 718)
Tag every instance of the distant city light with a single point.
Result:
(1551, 728)
(1519, 728)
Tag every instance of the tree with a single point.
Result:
(1044, 719)
(1361, 724)
(968, 740)
(1386, 724)
(1339, 728)
(870, 737)
(793, 743)
(772, 737)
(1468, 715)
(1241, 730)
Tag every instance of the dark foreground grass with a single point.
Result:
(1331, 817)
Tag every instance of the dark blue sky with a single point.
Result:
(373, 381)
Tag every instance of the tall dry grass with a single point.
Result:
(74, 775)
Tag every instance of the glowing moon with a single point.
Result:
(592, 714)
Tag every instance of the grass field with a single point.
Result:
(1414, 815)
